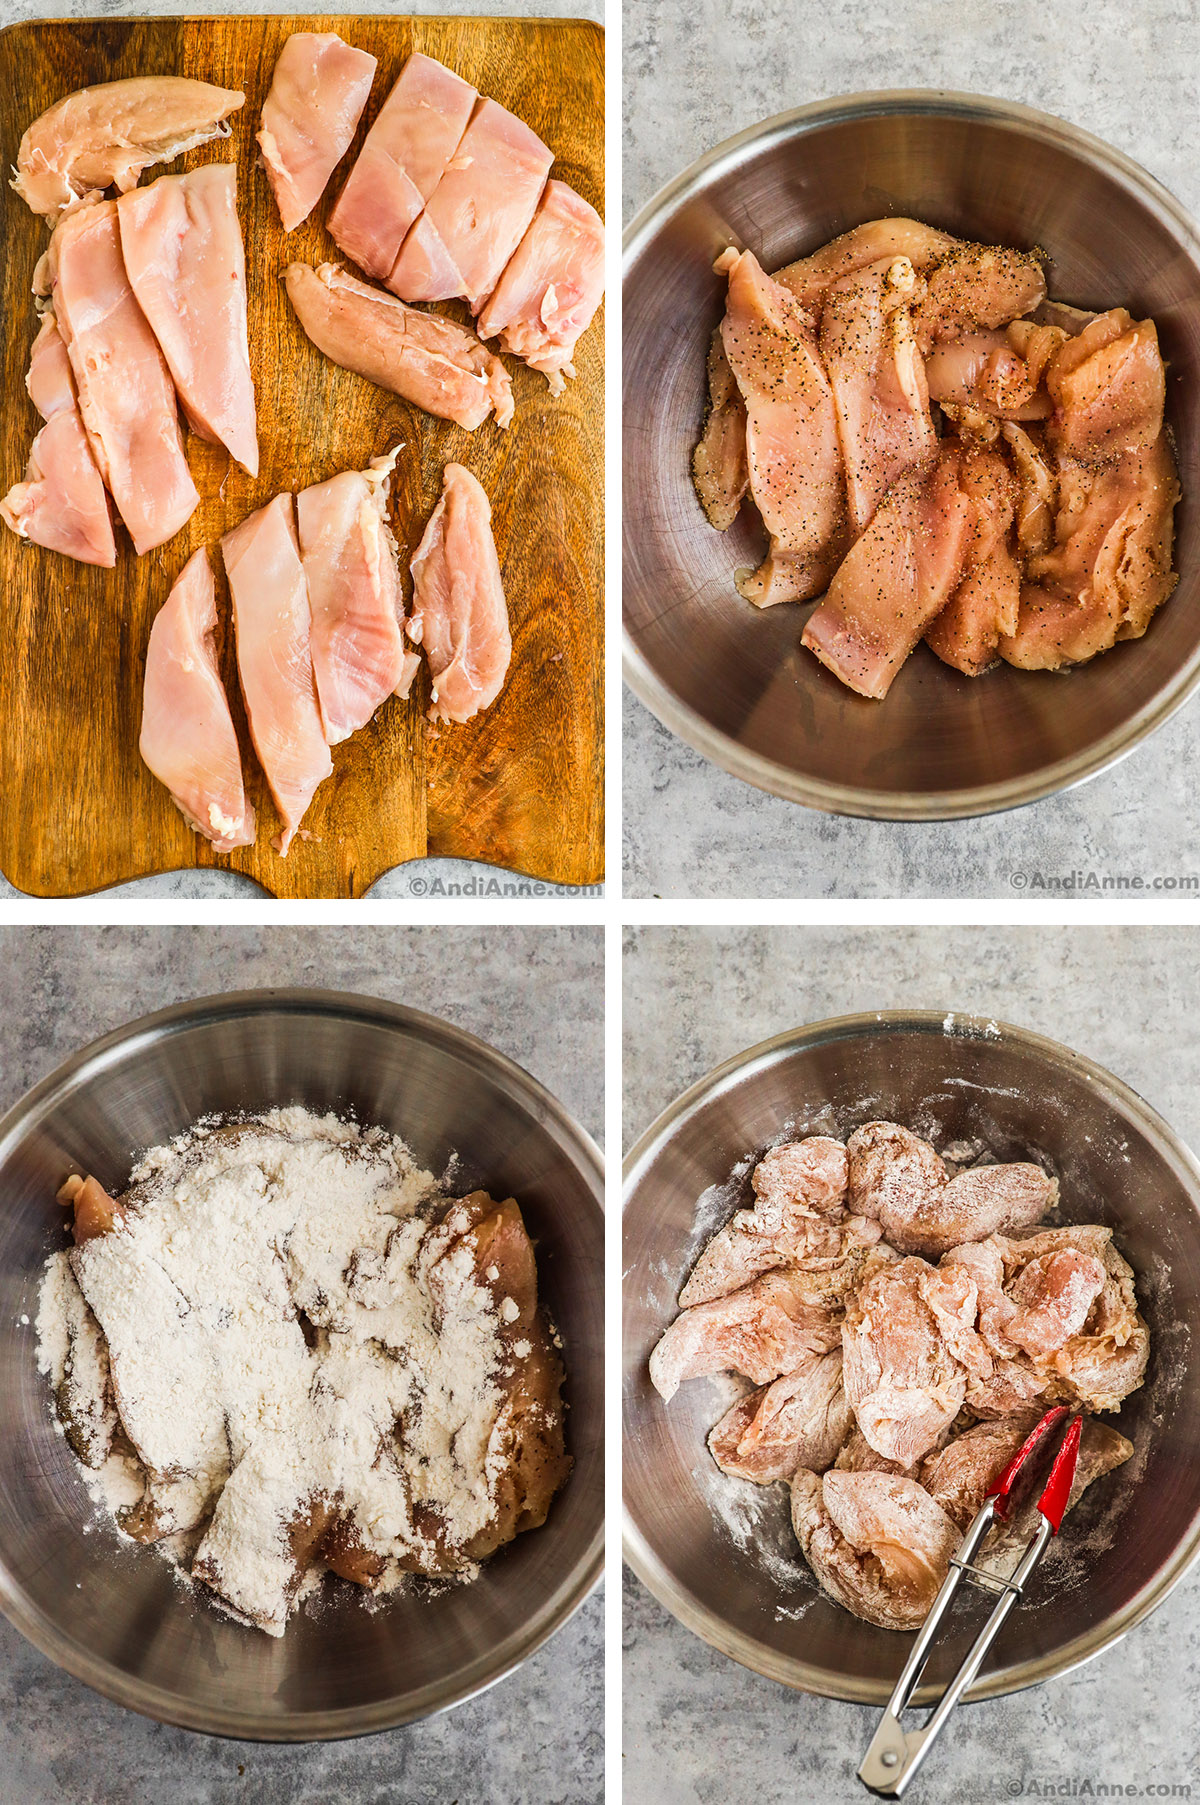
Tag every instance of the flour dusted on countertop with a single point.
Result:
(294, 1354)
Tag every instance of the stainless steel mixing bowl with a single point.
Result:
(1130, 1539)
(111, 1613)
(732, 681)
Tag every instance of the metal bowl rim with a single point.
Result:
(804, 1676)
(755, 768)
(488, 1669)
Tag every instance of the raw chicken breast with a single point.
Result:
(791, 424)
(551, 287)
(884, 424)
(984, 608)
(183, 252)
(318, 91)
(1100, 1363)
(800, 1420)
(437, 365)
(763, 1331)
(108, 134)
(978, 286)
(1109, 388)
(478, 213)
(187, 735)
(785, 576)
(960, 1475)
(1038, 478)
(719, 470)
(903, 1381)
(898, 1179)
(894, 579)
(459, 615)
(1000, 372)
(62, 504)
(126, 395)
(809, 278)
(877, 1543)
(417, 131)
(350, 567)
(271, 616)
(1054, 1294)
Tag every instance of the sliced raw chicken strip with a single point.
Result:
(1054, 1294)
(1038, 477)
(182, 246)
(1098, 1365)
(978, 286)
(785, 576)
(274, 654)
(437, 365)
(877, 1543)
(800, 1420)
(763, 1331)
(885, 428)
(551, 287)
(318, 91)
(350, 567)
(107, 135)
(902, 1377)
(719, 470)
(1109, 388)
(898, 1179)
(459, 615)
(414, 136)
(809, 278)
(62, 503)
(894, 579)
(984, 608)
(1000, 372)
(126, 395)
(187, 736)
(478, 213)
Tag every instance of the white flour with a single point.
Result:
(282, 1322)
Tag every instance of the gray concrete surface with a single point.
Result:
(692, 76)
(538, 1737)
(700, 1730)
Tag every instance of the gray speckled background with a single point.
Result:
(537, 1738)
(699, 1729)
(219, 885)
(694, 75)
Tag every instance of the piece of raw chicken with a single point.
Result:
(551, 286)
(792, 450)
(415, 134)
(126, 396)
(809, 278)
(437, 365)
(274, 654)
(978, 287)
(359, 658)
(105, 136)
(898, 1179)
(800, 1420)
(984, 609)
(182, 247)
(478, 213)
(895, 579)
(877, 1543)
(1001, 373)
(318, 91)
(719, 470)
(62, 503)
(763, 1331)
(1108, 386)
(459, 615)
(187, 736)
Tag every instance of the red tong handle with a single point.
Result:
(1053, 1501)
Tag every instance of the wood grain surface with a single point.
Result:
(520, 786)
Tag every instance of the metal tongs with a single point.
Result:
(895, 1754)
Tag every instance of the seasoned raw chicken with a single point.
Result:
(126, 395)
(894, 579)
(1108, 386)
(800, 1420)
(105, 136)
(318, 91)
(978, 286)
(984, 608)
(719, 469)
(414, 136)
(898, 1179)
(62, 504)
(766, 1329)
(350, 567)
(1100, 1363)
(810, 277)
(187, 736)
(903, 1379)
(182, 246)
(478, 213)
(792, 447)
(551, 287)
(437, 365)
(999, 372)
(885, 428)
(960, 1475)
(877, 1542)
(271, 616)
(459, 616)
(1038, 478)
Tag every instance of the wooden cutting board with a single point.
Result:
(521, 786)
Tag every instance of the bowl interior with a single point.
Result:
(719, 1552)
(112, 1613)
(733, 680)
